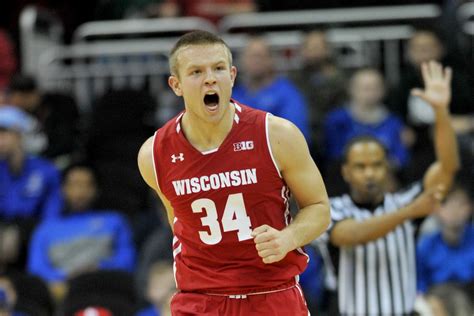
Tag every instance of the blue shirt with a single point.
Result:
(340, 127)
(438, 262)
(281, 98)
(149, 311)
(312, 278)
(35, 193)
(67, 244)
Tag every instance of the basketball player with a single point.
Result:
(224, 172)
(374, 228)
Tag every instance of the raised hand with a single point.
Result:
(437, 83)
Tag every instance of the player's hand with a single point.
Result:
(437, 83)
(426, 203)
(272, 244)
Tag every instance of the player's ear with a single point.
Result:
(233, 74)
(175, 85)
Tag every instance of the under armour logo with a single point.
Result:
(174, 157)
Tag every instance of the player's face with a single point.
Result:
(204, 80)
(366, 171)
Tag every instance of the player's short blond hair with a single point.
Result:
(193, 39)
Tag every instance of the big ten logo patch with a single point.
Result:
(245, 145)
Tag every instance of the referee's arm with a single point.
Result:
(350, 232)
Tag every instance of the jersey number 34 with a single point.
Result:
(234, 218)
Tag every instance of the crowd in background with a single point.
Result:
(76, 219)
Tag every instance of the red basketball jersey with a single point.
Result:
(218, 197)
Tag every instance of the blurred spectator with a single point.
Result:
(23, 93)
(29, 187)
(121, 122)
(213, 10)
(263, 89)
(119, 9)
(364, 114)
(100, 293)
(59, 116)
(423, 46)
(156, 249)
(7, 61)
(454, 243)
(33, 296)
(444, 300)
(161, 286)
(83, 238)
(322, 83)
(7, 296)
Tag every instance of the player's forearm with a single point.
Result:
(445, 142)
(350, 232)
(310, 222)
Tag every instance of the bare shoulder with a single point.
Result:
(145, 163)
(286, 140)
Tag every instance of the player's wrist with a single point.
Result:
(290, 239)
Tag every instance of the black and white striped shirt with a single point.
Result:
(377, 278)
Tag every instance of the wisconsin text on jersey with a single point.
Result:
(215, 181)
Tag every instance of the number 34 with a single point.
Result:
(234, 218)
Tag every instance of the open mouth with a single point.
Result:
(211, 100)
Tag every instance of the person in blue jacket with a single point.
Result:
(365, 114)
(83, 238)
(263, 89)
(30, 188)
(447, 255)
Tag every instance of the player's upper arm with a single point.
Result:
(146, 167)
(296, 165)
(145, 163)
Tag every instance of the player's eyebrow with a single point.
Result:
(194, 65)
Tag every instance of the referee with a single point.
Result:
(373, 228)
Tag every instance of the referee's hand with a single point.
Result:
(427, 202)
(272, 244)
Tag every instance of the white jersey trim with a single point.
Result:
(270, 146)
(153, 159)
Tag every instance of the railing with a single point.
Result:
(97, 60)
(105, 30)
(340, 17)
(465, 15)
(39, 31)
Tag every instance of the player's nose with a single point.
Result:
(210, 77)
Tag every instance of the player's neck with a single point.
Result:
(204, 135)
